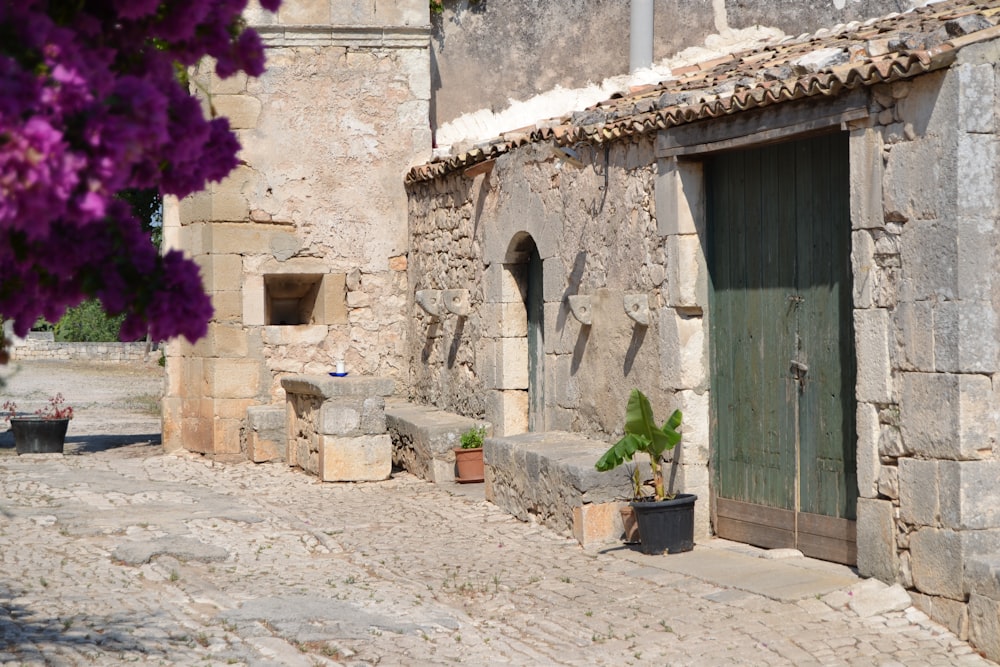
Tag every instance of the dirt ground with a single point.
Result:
(114, 404)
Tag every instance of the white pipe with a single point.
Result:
(641, 36)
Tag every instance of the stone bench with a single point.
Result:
(550, 475)
(424, 437)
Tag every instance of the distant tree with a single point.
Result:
(94, 105)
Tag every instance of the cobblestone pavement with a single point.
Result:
(120, 554)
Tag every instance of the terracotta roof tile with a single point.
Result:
(898, 46)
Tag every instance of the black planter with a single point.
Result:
(667, 525)
(33, 435)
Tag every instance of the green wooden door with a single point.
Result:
(782, 355)
(535, 305)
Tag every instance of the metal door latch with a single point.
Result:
(799, 371)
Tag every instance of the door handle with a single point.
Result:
(799, 367)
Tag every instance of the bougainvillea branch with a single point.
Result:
(92, 102)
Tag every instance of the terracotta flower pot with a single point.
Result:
(468, 465)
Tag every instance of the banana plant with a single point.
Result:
(643, 435)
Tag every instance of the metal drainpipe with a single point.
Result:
(641, 35)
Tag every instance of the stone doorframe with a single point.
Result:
(681, 216)
(521, 223)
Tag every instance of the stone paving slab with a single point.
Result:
(400, 572)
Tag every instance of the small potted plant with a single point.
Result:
(665, 519)
(469, 456)
(43, 432)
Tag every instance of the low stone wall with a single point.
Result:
(424, 439)
(551, 476)
(43, 346)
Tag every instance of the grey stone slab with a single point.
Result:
(327, 386)
(182, 548)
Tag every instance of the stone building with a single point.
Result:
(796, 246)
(793, 244)
(303, 248)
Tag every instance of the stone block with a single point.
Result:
(937, 562)
(254, 303)
(868, 465)
(866, 179)
(876, 535)
(324, 386)
(231, 378)
(310, 13)
(976, 258)
(373, 415)
(504, 283)
(919, 492)
(863, 268)
(340, 417)
(597, 523)
(695, 442)
(888, 482)
(683, 351)
(977, 175)
(892, 598)
(172, 434)
(871, 335)
(950, 613)
(507, 411)
(679, 196)
(970, 494)
(403, 13)
(222, 340)
(221, 272)
(687, 273)
(911, 190)
(302, 334)
(946, 416)
(241, 110)
(265, 433)
(965, 337)
(510, 320)
(914, 328)
(226, 439)
(331, 302)
(929, 256)
(984, 625)
(356, 12)
(243, 238)
(230, 206)
(228, 306)
(359, 459)
(512, 363)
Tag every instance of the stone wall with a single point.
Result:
(571, 43)
(303, 248)
(594, 226)
(46, 348)
(927, 302)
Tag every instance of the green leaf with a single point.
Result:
(641, 434)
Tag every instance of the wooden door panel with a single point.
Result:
(778, 246)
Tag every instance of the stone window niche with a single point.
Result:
(290, 298)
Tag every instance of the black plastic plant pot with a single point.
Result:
(34, 435)
(666, 526)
